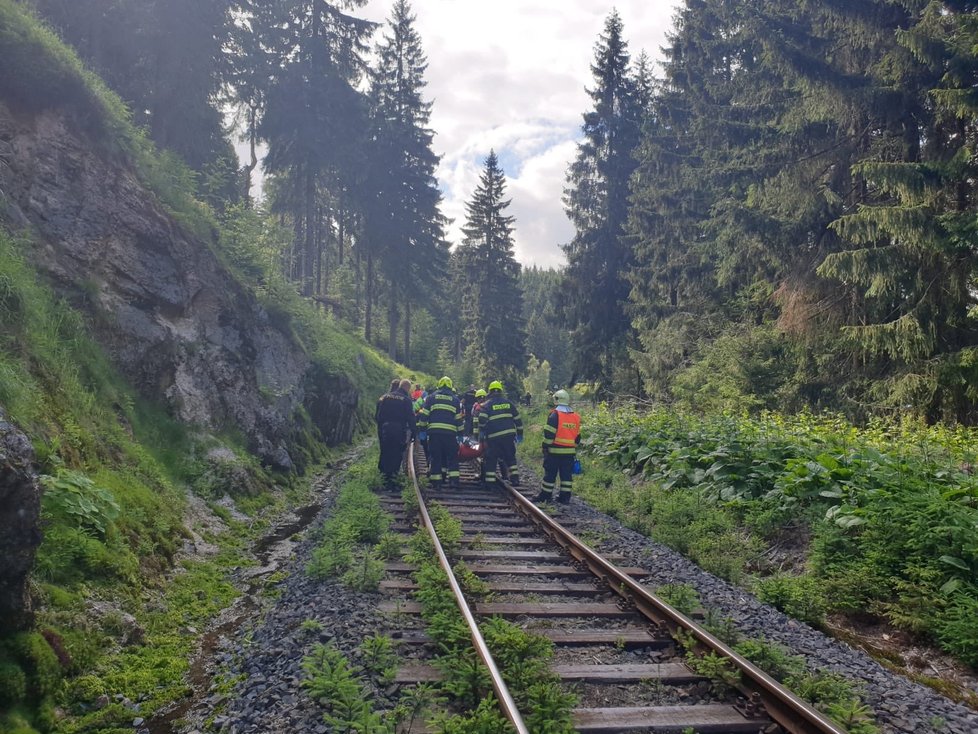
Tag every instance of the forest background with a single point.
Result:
(781, 216)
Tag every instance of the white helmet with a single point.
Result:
(561, 397)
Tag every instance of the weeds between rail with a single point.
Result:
(523, 658)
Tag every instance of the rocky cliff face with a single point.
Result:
(171, 316)
(20, 506)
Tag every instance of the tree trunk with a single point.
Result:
(407, 331)
(368, 315)
(309, 253)
(357, 289)
(294, 251)
(253, 161)
(341, 233)
(320, 249)
(392, 318)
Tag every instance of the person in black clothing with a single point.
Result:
(395, 426)
(468, 401)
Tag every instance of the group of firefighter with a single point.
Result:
(478, 422)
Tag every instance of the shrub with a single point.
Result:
(13, 683)
(958, 629)
(74, 496)
(773, 659)
(800, 597)
(40, 662)
(87, 688)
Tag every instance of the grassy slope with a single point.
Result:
(118, 466)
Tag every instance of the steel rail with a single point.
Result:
(784, 707)
(506, 702)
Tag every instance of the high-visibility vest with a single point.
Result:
(568, 429)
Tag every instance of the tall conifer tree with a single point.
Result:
(911, 262)
(404, 225)
(495, 333)
(596, 201)
(310, 59)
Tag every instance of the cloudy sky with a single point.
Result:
(511, 75)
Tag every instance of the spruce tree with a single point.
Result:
(596, 202)
(910, 264)
(403, 225)
(493, 316)
(310, 59)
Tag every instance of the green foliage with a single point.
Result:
(311, 626)
(493, 313)
(682, 597)
(13, 683)
(485, 719)
(333, 683)
(801, 597)
(356, 523)
(596, 201)
(365, 573)
(390, 546)
(889, 508)
(715, 667)
(75, 498)
(957, 629)
(522, 657)
(537, 380)
(448, 527)
(39, 661)
(379, 657)
(773, 659)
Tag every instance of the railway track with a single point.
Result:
(615, 641)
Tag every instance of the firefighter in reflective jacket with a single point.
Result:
(560, 438)
(500, 428)
(441, 422)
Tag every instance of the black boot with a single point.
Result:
(564, 498)
(515, 480)
(543, 496)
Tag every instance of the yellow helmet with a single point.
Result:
(480, 393)
(495, 385)
(446, 382)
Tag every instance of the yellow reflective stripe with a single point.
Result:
(502, 433)
(443, 426)
(563, 451)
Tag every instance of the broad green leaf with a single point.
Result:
(956, 562)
